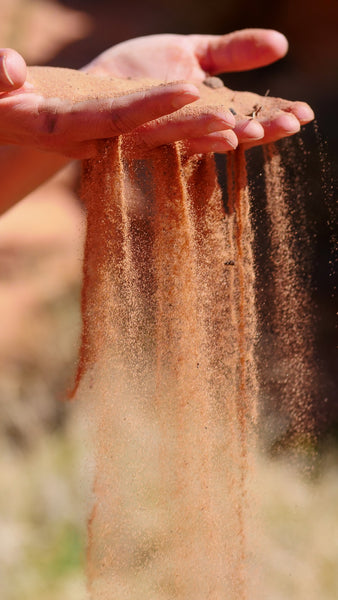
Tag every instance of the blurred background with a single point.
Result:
(42, 493)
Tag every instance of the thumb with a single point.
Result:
(13, 70)
(239, 51)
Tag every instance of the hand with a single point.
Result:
(71, 127)
(193, 58)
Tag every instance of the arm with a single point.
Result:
(22, 170)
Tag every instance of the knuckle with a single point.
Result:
(50, 130)
(51, 117)
(47, 133)
(117, 123)
(121, 122)
(48, 120)
(126, 113)
(50, 123)
(148, 136)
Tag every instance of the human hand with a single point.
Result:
(193, 58)
(32, 116)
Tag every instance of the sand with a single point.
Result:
(79, 86)
(167, 372)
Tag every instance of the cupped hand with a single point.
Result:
(170, 57)
(57, 123)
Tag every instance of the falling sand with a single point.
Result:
(167, 373)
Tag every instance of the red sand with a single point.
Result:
(293, 315)
(169, 331)
(78, 86)
(167, 369)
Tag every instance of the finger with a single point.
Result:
(281, 126)
(13, 70)
(239, 51)
(220, 142)
(167, 131)
(120, 115)
(302, 111)
(249, 130)
(53, 124)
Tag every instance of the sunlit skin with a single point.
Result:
(193, 58)
(169, 58)
(31, 153)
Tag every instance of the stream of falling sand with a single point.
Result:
(168, 363)
(293, 324)
(167, 368)
(167, 374)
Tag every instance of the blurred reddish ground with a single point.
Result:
(40, 258)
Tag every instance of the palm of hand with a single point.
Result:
(171, 57)
(29, 118)
(165, 57)
(58, 110)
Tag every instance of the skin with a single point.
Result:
(195, 57)
(27, 118)
(31, 152)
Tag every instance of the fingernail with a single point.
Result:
(182, 100)
(303, 112)
(227, 119)
(232, 144)
(281, 40)
(307, 114)
(4, 73)
(185, 97)
(231, 139)
(289, 123)
(251, 130)
(222, 146)
(220, 141)
(219, 125)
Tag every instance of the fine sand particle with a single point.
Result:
(167, 372)
(168, 347)
(77, 86)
